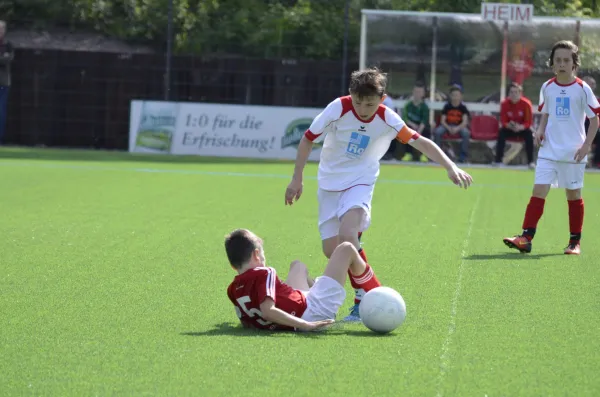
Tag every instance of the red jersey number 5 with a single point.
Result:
(250, 312)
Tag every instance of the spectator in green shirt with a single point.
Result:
(416, 115)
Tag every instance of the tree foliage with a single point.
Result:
(262, 28)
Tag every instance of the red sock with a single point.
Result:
(575, 219)
(362, 254)
(363, 283)
(534, 212)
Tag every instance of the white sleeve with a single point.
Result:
(394, 120)
(592, 107)
(543, 104)
(331, 113)
(399, 128)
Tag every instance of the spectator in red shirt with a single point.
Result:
(516, 116)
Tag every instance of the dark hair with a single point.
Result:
(368, 82)
(239, 245)
(567, 45)
(455, 88)
(517, 86)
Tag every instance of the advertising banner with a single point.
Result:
(202, 129)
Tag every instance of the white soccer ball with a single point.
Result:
(382, 310)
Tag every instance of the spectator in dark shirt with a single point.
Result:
(516, 116)
(455, 118)
(6, 57)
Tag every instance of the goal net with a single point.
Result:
(443, 49)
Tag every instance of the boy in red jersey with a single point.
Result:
(565, 101)
(516, 116)
(262, 301)
(356, 131)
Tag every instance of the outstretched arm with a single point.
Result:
(278, 316)
(304, 149)
(315, 131)
(294, 189)
(433, 151)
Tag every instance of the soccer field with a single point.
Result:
(113, 281)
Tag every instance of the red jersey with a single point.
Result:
(249, 289)
(520, 112)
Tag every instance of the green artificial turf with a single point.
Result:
(113, 281)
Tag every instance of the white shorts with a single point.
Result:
(333, 205)
(324, 299)
(561, 175)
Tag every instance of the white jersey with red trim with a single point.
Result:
(567, 107)
(353, 147)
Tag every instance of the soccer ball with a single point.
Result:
(382, 310)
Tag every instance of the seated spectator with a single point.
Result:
(516, 116)
(455, 118)
(596, 159)
(416, 115)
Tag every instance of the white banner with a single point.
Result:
(185, 128)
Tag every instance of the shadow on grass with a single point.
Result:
(337, 329)
(511, 256)
(55, 154)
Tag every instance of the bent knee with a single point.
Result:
(296, 264)
(345, 247)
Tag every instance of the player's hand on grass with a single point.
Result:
(582, 152)
(459, 177)
(315, 325)
(293, 191)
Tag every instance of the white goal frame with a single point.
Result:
(485, 108)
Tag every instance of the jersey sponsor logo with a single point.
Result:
(357, 145)
(563, 107)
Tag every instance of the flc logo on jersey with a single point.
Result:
(357, 145)
(563, 107)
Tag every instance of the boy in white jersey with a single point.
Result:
(356, 131)
(565, 101)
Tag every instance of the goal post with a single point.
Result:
(482, 53)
